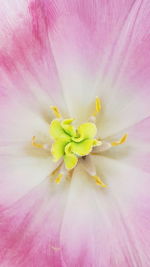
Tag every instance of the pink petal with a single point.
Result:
(94, 38)
(126, 83)
(136, 151)
(83, 48)
(136, 67)
(31, 227)
(139, 145)
(128, 193)
(79, 225)
(88, 33)
(27, 64)
(22, 167)
(93, 57)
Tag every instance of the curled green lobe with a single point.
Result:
(69, 143)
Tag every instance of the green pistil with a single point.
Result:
(70, 143)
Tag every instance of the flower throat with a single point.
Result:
(70, 144)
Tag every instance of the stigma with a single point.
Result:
(72, 144)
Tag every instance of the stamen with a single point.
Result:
(57, 169)
(56, 111)
(99, 181)
(55, 248)
(90, 170)
(121, 141)
(102, 148)
(70, 174)
(58, 178)
(98, 106)
(36, 144)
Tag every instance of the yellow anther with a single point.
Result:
(55, 248)
(121, 141)
(36, 144)
(58, 178)
(99, 181)
(56, 111)
(98, 106)
(96, 142)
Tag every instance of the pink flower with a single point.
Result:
(65, 53)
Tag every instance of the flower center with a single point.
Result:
(71, 144)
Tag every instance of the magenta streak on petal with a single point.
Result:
(31, 227)
(29, 52)
(44, 15)
(135, 69)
